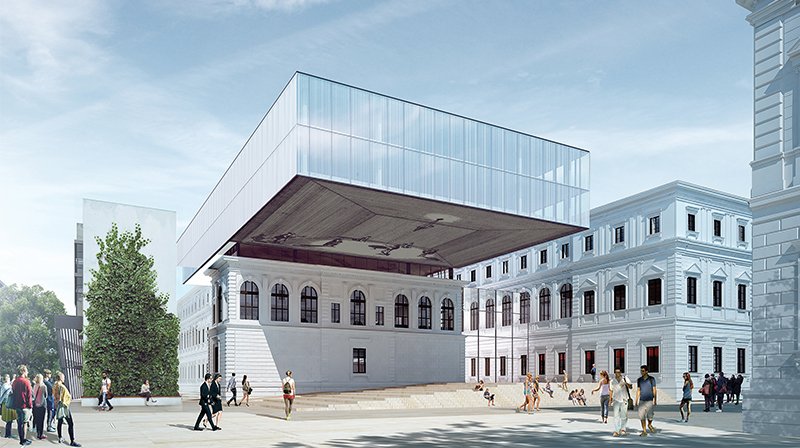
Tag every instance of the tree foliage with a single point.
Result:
(129, 332)
(27, 330)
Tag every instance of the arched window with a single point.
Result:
(544, 304)
(248, 301)
(507, 311)
(447, 315)
(490, 313)
(566, 301)
(524, 308)
(358, 308)
(280, 303)
(425, 313)
(474, 318)
(308, 305)
(401, 311)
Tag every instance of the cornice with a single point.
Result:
(766, 13)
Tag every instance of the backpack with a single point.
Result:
(287, 388)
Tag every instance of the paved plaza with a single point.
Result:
(467, 427)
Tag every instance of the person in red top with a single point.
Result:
(23, 402)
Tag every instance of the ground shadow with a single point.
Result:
(479, 434)
(182, 426)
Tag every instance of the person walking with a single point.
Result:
(564, 382)
(646, 400)
(8, 412)
(620, 395)
(526, 385)
(216, 399)
(594, 373)
(721, 389)
(246, 391)
(232, 387)
(61, 401)
(536, 394)
(205, 405)
(105, 393)
(39, 406)
(21, 389)
(686, 401)
(51, 410)
(288, 394)
(603, 387)
(731, 382)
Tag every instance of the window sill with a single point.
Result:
(692, 234)
(719, 239)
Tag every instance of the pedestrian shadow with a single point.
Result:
(182, 426)
(276, 417)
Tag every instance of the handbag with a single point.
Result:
(630, 400)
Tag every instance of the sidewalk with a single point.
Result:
(456, 428)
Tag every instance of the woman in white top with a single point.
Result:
(620, 394)
(603, 387)
(105, 393)
(288, 393)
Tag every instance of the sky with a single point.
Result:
(147, 102)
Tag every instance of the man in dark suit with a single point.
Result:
(205, 405)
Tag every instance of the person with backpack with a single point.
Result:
(646, 399)
(61, 401)
(705, 390)
(288, 393)
(9, 415)
(232, 388)
(721, 388)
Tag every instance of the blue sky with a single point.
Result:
(147, 102)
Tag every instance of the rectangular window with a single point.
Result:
(654, 292)
(717, 359)
(619, 359)
(717, 293)
(488, 272)
(619, 234)
(379, 315)
(652, 359)
(690, 222)
(359, 360)
(487, 367)
(693, 358)
(588, 361)
(562, 362)
(565, 250)
(473, 367)
(502, 366)
(717, 227)
(588, 302)
(741, 234)
(543, 256)
(542, 364)
(588, 243)
(740, 360)
(742, 296)
(472, 275)
(523, 364)
(691, 290)
(655, 225)
(505, 267)
(619, 297)
(458, 276)
(523, 262)
(335, 315)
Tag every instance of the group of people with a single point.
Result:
(41, 402)
(578, 397)
(211, 398)
(715, 390)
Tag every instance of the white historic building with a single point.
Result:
(661, 278)
(774, 407)
(195, 318)
(330, 240)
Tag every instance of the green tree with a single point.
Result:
(27, 331)
(129, 332)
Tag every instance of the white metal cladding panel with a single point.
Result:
(362, 138)
(261, 169)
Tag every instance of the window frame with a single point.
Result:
(448, 322)
(617, 299)
(693, 359)
(691, 290)
(588, 243)
(309, 303)
(279, 303)
(248, 301)
(523, 262)
(654, 225)
(542, 364)
(618, 356)
(490, 313)
(741, 360)
(358, 308)
(359, 360)
(562, 362)
(474, 316)
(425, 311)
(507, 311)
(652, 358)
(652, 289)
(619, 234)
(565, 295)
(717, 359)
(716, 293)
(401, 311)
(336, 313)
(543, 256)
(379, 316)
(544, 305)
(589, 297)
(564, 251)
(588, 361)
(524, 307)
(741, 296)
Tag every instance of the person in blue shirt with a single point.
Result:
(646, 395)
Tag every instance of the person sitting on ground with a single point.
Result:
(479, 386)
(582, 397)
(146, 394)
(572, 397)
(489, 396)
(548, 389)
